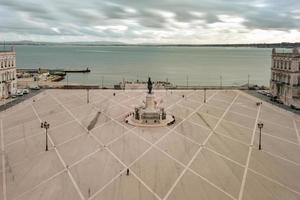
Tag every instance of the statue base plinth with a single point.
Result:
(149, 115)
(140, 123)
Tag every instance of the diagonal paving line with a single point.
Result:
(223, 156)
(61, 159)
(177, 102)
(91, 132)
(183, 165)
(117, 157)
(263, 133)
(282, 126)
(258, 173)
(127, 167)
(38, 133)
(151, 145)
(99, 149)
(41, 183)
(3, 163)
(296, 129)
(242, 126)
(196, 154)
(99, 142)
(274, 181)
(249, 155)
(280, 157)
(141, 96)
(276, 109)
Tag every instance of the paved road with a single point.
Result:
(19, 99)
(267, 99)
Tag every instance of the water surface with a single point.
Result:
(180, 65)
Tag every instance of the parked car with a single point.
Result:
(19, 92)
(295, 107)
(273, 98)
(279, 101)
(34, 87)
(25, 91)
(269, 95)
(261, 92)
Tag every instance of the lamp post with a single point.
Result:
(221, 81)
(187, 81)
(260, 125)
(87, 96)
(204, 95)
(248, 81)
(46, 126)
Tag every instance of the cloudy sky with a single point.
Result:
(151, 21)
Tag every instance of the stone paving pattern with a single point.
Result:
(210, 153)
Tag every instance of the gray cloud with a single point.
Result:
(24, 6)
(135, 20)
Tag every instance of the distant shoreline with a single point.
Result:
(254, 45)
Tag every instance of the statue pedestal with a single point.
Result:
(150, 115)
(150, 102)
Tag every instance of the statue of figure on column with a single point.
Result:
(149, 85)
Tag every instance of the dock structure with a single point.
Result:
(53, 71)
(87, 70)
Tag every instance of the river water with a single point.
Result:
(180, 65)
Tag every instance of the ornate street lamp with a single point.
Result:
(46, 126)
(87, 96)
(204, 95)
(260, 125)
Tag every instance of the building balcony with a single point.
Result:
(7, 81)
(280, 82)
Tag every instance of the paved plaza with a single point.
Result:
(209, 153)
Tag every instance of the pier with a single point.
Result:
(53, 71)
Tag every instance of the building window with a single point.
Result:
(290, 64)
(285, 64)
